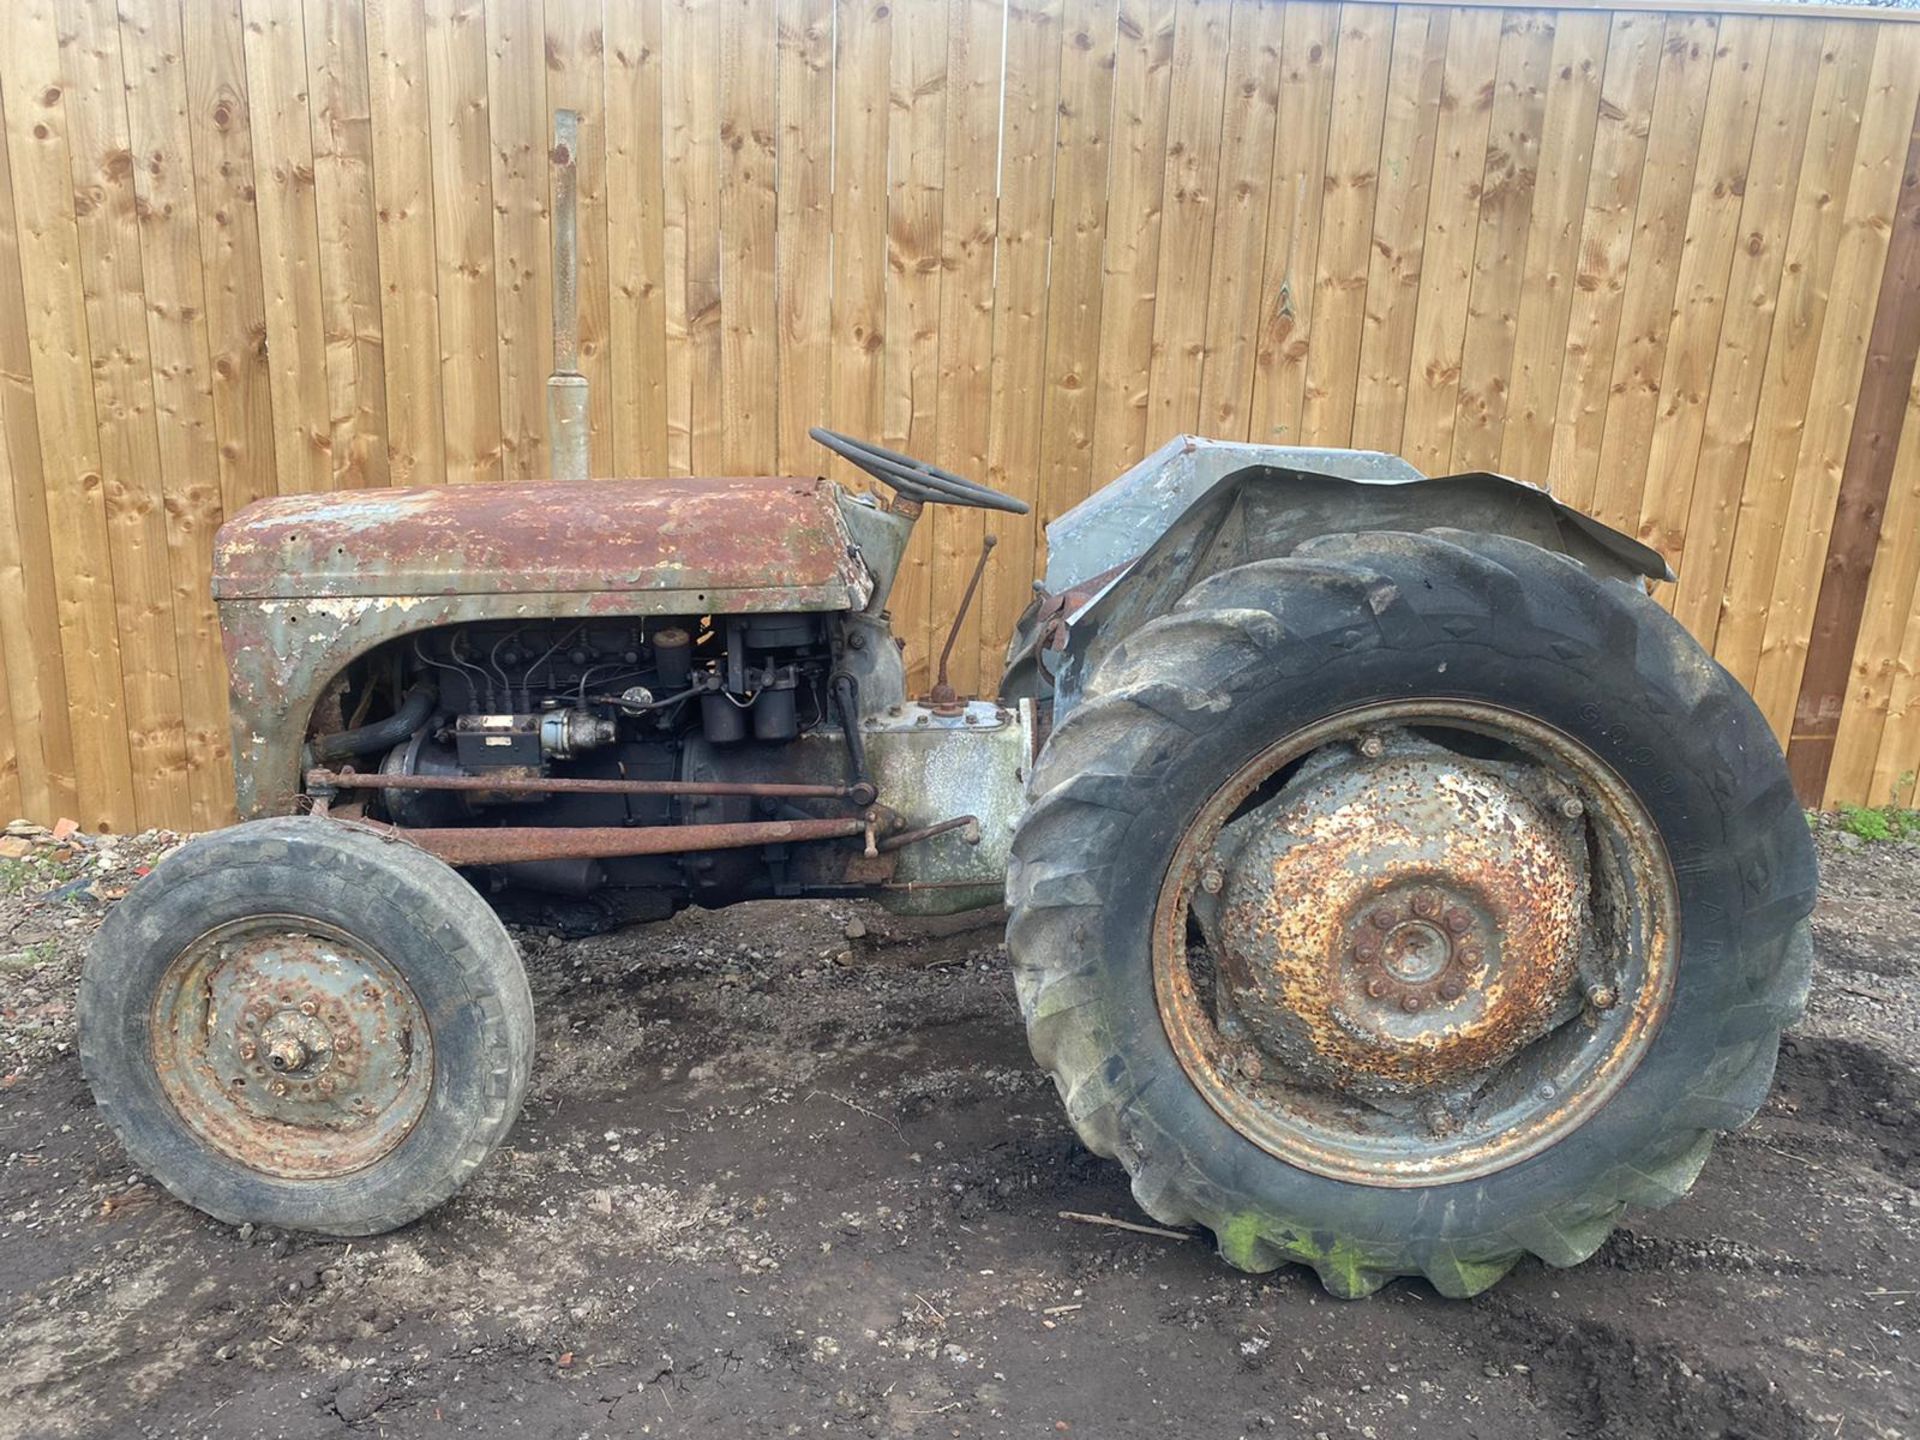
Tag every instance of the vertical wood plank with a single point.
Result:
(220, 137)
(1793, 351)
(403, 195)
(288, 218)
(1348, 190)
(1745, 79)
(1075, 292)
(349, 245)
(691, 126)
(108, 222)
(1019, 371)
(1453, 217)
(1705, 550)
(1524, 407)
(749, 323)
(52, 268)
(1873, 195)
(1507, 183)
(520, 136)
(636, 239)
(576, 80)
(1293, 224)
(1194, 105)
(1660, 222)
(1143, 65)
(969, 231)
(909, 419)
(35, 678)
(183, 385)
(1254, 61)
(1411, 122)
(463, 238)
(862, 99)
(804, 228)
(1606, 238)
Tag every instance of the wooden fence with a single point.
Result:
(1669, 263)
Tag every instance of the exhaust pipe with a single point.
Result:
(566, 386)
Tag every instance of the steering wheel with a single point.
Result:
(916, 480)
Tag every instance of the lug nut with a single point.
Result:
(1365, 948)
(1458, 920)
(1603, 997)
(1410, 1004)
(1451, 989)
(1372, 746)
(1382, 918)
(1250, 1066)
(1440, 1121)
(248, 1049)
(1572, 808)
(279, 1087)
(307, 1007)
(1471, 957)
(1424, 904)
(1212, 881)
(1376, 987)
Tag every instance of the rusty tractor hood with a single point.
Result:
(724, 544)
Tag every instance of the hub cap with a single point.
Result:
(289, 1046)
(1418, 942)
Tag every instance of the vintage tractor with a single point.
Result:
(1394, 886)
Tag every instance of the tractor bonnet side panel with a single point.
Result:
(308, 583)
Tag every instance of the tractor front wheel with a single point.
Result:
(1410, 904)
(298, 1023)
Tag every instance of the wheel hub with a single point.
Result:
(291, 1047)
(1417, 941)
(1399, 922)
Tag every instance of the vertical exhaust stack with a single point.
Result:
(566, 386)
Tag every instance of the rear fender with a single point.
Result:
(1202, 506)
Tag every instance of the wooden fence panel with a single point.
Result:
(1663, 262)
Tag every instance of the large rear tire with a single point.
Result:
(1407, 905)
(298, 1023)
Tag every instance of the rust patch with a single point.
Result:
(605, 537)
(1326, 1074)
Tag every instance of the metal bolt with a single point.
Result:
(1410, 1004)
(1471, 957)
(1372, 746)
(1376, 987)
(1572, 808)
(279, 1087)
(1441, 1122)
(1250, 1066)
(1365, 948)
(326, 1084)
(1212, 881)
(1458, 920)
(307, 1007)
(1603, 997)
(1382, 918)
(1451, 989)
(248, 1049)
(343, 1043)
(1425, 904)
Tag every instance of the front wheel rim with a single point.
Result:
(1414, 943)
(292, 1047)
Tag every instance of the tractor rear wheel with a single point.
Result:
(1410, 904)
(298, 1023)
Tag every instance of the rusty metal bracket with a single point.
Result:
(511, 844)
(330, 780)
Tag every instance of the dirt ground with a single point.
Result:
(774, 1180)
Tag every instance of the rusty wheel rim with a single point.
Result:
(1416, 942)
(292, 1047)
